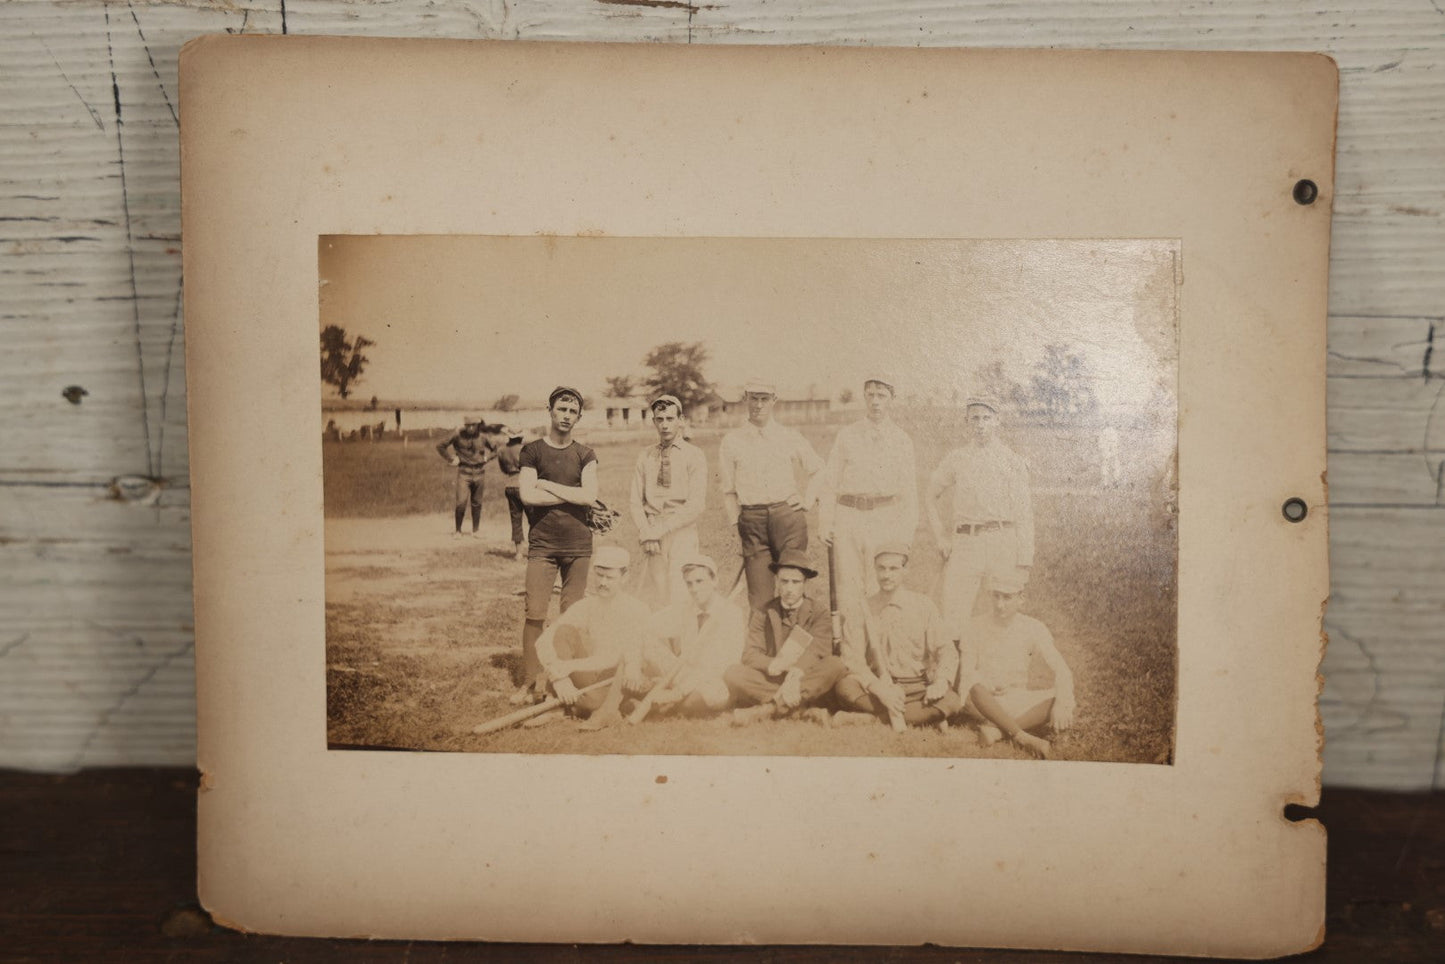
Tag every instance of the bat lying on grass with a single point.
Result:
(527, 712)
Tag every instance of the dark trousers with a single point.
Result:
(764, 532)
(541, 576)
(514, 506)
(852, 696)
(469, 492)
(749, 685)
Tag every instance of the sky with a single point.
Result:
(467, 319)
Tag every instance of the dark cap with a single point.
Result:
(564, 390)
(794, 559)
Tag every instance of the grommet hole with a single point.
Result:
(1295, 509)
(1305, 191)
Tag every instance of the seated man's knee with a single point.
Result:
(714, 695)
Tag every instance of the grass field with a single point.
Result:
(422, 629)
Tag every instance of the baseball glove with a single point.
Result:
(601, 519)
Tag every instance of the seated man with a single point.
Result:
(788, 663)
(593, 638)
(994, 658)
(694, 642)
(901, 663)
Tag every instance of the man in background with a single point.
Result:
(669, 493)
(509, 459)
(469, 449)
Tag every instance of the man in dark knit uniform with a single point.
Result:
(557, 483)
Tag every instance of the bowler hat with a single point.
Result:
(794, 559)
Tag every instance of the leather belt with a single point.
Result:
(758, 507)
(970, 529)
(866, 502)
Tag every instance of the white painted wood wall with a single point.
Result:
(95, 609)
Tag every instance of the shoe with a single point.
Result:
(849, 718)
(988, 734)
(527, 695)
(520, 555)
(818, 715)
(476, 534)
(745, 716)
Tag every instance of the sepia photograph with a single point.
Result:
(753, 496)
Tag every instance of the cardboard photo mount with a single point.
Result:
(286, 139)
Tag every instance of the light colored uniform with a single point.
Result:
(668, 513)
(601, 633)
(992, 523)
(708, 645)
(999, 656)
(901, 640)
(872, 498)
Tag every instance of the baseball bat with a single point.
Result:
(527, 712)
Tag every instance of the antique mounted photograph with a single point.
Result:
(812, 497)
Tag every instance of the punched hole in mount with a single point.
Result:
(1295, 509)
(1305, 191)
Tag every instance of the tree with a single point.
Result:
(621, 386)
(677, 369)
(992, 381)
(845, 396)
(342, 361)
(507, 403)
(1062, 389)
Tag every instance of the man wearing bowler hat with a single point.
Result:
(788, 662)
(902, 665)
(990, 533)
(757, 463)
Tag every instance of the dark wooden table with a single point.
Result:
(100, 866)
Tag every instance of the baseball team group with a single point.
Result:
(878, 651)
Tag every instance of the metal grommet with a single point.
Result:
(1295, 510)
(1305, 191)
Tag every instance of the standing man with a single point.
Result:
(994, 672)
(557, 483)
(595, 638)
(758, 463)
(871, 486)
(510, 461)
(471, 450)
(695, 641)
(788, 662)
(669, 493)
(991, 532)
(902, 665)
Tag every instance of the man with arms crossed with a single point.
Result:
(595, 638)
(788, 663)
(558, 482)
(901, 663)
(871, 486)
(669, 493)
(993, 672)
(991, 534)
(695, 641)
(471, 450)
(760, 489)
